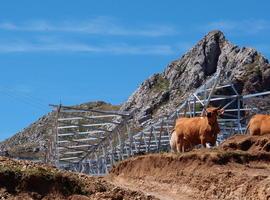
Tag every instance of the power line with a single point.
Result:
(33, 98)
(25, 99)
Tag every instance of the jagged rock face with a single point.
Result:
(245, 67)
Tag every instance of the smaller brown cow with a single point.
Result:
(187, 145)
(196, 130)
(259, 125)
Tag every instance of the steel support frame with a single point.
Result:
(156, 135)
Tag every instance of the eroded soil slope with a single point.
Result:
(202, 174)
(26, 180)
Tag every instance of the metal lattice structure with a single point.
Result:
(80, 132)
(107, 139)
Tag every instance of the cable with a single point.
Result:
(28, 101)
(37, 100)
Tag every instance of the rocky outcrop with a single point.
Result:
(245, 67)
(31, 141)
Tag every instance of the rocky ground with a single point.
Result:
(238, 169)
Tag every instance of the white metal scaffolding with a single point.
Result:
(93, 142)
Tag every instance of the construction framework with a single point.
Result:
(80, 132)
(93, 143)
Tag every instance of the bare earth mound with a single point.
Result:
(202, 174)
(26, 180)
(252, 144)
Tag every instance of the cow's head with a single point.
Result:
(212, 113)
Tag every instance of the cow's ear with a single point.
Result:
(221, 111)
(208, 114)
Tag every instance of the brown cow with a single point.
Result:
(197, 130)
(259, 125)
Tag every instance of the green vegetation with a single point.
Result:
(198, 107)
(98, 105)
(109, 107)
(161, 84)
(257, 70)
(254, 66)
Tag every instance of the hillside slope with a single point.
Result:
(30, 142)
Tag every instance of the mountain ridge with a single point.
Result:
(245, 67)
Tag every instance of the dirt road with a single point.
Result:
(196, 176)
(162, 191)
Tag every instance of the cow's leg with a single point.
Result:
(203, 141)
(173, 147)
(188, 145)
(179, 143)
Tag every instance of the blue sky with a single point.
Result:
(86, 50)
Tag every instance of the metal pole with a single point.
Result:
(212, 90)
(97, 164)
(189, 109)
(155, 136)
(150, 138)
(135, 145)
(56, 137)
(90, 166)
(112, 155)
(105, 160)
(130, 139)
(140, 142)
(82, 168)
(145, 144)
(120, 145)
(185, 109)
(205, 94)
(160, 133)
(194, 107)
(127, 150)
(239, 114)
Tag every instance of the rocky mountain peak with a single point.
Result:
(201, 60)
(245, 67)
